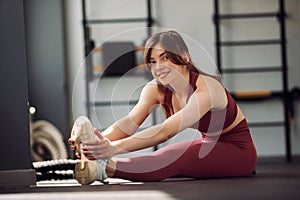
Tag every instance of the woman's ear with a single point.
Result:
(186, 57)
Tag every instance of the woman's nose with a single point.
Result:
(158, 66)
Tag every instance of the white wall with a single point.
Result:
(193, 18)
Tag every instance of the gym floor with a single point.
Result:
(274, 179)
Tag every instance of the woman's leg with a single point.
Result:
(226, 159)
(159, 165)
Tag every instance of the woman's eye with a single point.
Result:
(165, 58)
(151, 63)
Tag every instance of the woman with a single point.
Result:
(189, 99)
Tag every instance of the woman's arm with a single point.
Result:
(198, 104)
(128, 125)
(209, 95)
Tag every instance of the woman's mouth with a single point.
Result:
(162, 75)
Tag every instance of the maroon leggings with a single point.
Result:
(230, 155)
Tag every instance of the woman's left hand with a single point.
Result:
(101, 148)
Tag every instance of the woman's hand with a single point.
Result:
(72, 144)
(73, 147)
(101, 148)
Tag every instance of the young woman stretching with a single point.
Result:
(189, 99)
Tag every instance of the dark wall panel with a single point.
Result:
(46, 62)
(14, 118)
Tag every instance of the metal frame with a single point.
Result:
(89, 44)
(284, 94)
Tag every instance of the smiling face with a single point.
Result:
(168, 57)
(162, 68)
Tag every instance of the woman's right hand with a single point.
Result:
(72, 144)
(73, 147)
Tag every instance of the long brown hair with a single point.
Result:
(174, 46)
(176, 50)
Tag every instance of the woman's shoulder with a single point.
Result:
(214, 88)
(208, 81)
(151, 89)
(152, 85)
